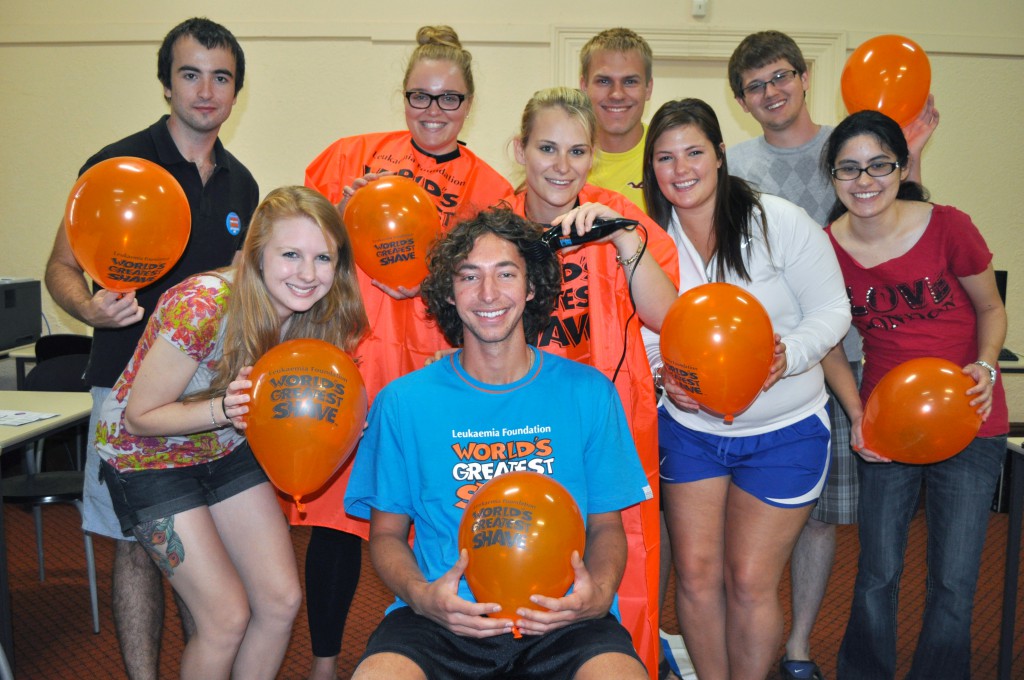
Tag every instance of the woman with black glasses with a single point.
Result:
(921, 284)
(438, 91)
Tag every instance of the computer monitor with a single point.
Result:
(20, 313)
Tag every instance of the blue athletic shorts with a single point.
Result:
(443, 655)
(786, 468)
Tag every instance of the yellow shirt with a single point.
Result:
(621, 172)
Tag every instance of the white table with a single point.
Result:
(72, 409)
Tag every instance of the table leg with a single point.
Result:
(6, 629)
(19, 370)
(1012, 571)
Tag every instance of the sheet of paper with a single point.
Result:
(15, 418)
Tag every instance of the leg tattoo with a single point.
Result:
(162, 543)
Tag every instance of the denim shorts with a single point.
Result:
(147, 495)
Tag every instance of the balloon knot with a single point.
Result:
(728, 420)
(299, 505)
(516, 633)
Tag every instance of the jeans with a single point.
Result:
(958, 493)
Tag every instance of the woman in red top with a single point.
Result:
(920, 281)
(595, 321)
(438, 89)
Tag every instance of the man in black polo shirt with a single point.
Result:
(202, 68)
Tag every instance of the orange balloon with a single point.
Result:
(392, 223)
(718, 344)
(128, 222)
(890, 74)
(520, 529)
(919, 412)
(306, 414)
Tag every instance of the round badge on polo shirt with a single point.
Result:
(233, 223)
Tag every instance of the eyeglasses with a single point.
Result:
(446, 101)
(758, 88)
(847, 173)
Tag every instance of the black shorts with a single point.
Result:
(146, 495)
(443, 655)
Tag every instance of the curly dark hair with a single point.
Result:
(543, 272)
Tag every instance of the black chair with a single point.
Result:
(60, 344)
(55, 373)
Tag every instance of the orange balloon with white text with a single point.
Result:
(306, 414)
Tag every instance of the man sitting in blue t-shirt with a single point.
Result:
(491, 286)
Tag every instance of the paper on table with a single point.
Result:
(15, 418)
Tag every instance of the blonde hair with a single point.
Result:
(616, 40)
(252, 325)
(571, 100)
(441, 43)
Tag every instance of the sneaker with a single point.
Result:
(799, 670)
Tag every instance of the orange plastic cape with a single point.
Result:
(401, 337)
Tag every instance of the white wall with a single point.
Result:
(75, 76)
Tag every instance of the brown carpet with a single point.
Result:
(53, 637)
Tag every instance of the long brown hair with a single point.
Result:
(252, 326)
(736, 203)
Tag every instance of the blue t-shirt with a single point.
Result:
(437, 434)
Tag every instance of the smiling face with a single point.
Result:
(686, 166)
(202, 91)
(298, 265)
(491, 290)
(434, 130)
(780, 105)
(867, 196)
(618, 88)
(557, 157)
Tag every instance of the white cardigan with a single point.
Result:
(801, 286)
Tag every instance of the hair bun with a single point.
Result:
(438, 35)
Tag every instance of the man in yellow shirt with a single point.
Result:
(615, 72)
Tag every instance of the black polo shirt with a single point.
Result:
(221, 211)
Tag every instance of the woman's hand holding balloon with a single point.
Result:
(399, 292)
(676, 394)
(358, 183)
(983, 388)
(857, 442)
(236, 399)
(779, 364)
